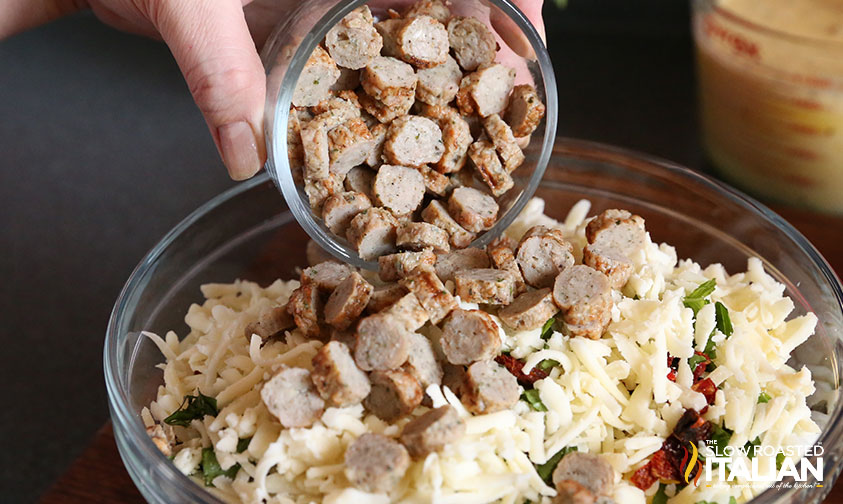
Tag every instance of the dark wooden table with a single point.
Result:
(98, 474)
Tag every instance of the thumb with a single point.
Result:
(212, 46)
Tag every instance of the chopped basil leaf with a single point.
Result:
(533, 399)
(243, 444)
(721, 315)
(547, 328)
(193, 408)
(546, 470)
(750, 451)
(696, 299)
(695, 361)
(547, 364)
(779, 460)
(211, 468)
(732, 500)
(763, 397)
(660, 497)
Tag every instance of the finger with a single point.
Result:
(20, 15)
(213, 48)
(512, 34)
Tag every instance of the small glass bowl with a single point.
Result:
(288, 49)
(248, 233)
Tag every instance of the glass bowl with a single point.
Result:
(248, 233)
(291, 44)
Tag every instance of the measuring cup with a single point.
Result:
(291, 44)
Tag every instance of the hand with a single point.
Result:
(213, 46)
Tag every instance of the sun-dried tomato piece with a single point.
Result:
(707, 388)
(515, 367)
(643, 478)
(701, 367)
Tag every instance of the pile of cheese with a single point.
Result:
(609, 396)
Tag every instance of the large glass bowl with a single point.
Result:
(248, 233)
(292, 43)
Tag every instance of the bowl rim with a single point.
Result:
(124, 419)
(277, 164)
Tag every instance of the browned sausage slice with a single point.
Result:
(472, 209)
(422, 362)
(436, 214)
(413, 141)
(431, 292)
(571, 492)
(456, 135)
(326, 275)
(617, 229)
(447, 265)
(525, 110)
(609, 260)
(270, 322)
(291, 398)
(396, 266)
(585, 297)
(381, 343)
(432, 431)
(485, 286)
(394, 394)
(542, 254)
(350, 144)
(348, 301)
(353, 42)
(530, 310)
(420, 236)
(504, 141)
(438, 85)
(372, 233)
(502, 256)
(375, 463)
(486, 91)
(337, 379)
(389, 80)
(422, 41)
(589, 470)
(489, 387)
(489, 167)
(398, 188)
(384, 296)
(472, 42)
(360, 179)
(339, 209)
(437, 9)
(469, 336)
(305, 306)
(314, 84)
(409, 312)
(400, 105)
(435, 183)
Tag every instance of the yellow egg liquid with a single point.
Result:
(772, 100)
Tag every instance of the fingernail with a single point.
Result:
(239, 150)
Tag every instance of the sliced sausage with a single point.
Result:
(337, 378)
(571, 492)
(434, 182)
(486, 91)
(488, 165)
(381, 343)
(314, 84)
(504, 142)
(291, 398)
(431, 292)
(372, 232)
(386, 113)
(337, 108)
(392, 267)
(349, 79)
(270, 322)
(456, 137)
(318, 191)
(422, 41)
(360, 179)
(295, 149)
(394, 394)
(485, 286)
(375, 463)
(525, 110)
(447, 265)
(420, 236)
(375, 157)
(589, 470)
(453, 377)
(409, 312)
(432, 431)
(530, 310)
(438, 85)
(472, 209)
(398, 188)
(472, 42)
(327, 275)
(350, 144)
(413, 141)
(436, 214)
(305, 306)
(502, 256)
(617, 229)
(422, 362)
(353, 42)
(389, 80)
(384, 296)
(339, 209)
(585, 297)
(469, 336)
(348, 301)
(542, 254)
(489, 387)
(315, 146)
(317, 255)
(437, 9)
(609, 260)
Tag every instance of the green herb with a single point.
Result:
(660, 497)
(732, 500)
(696, 299)
(193, 408)
(749, 447)
(546, 470)
(211, 468)
(547, 364)
(243, 444)
(721, 315)
(547, 328)
(779, 460)
(533, 399)
(696, 360)
(763, 398)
